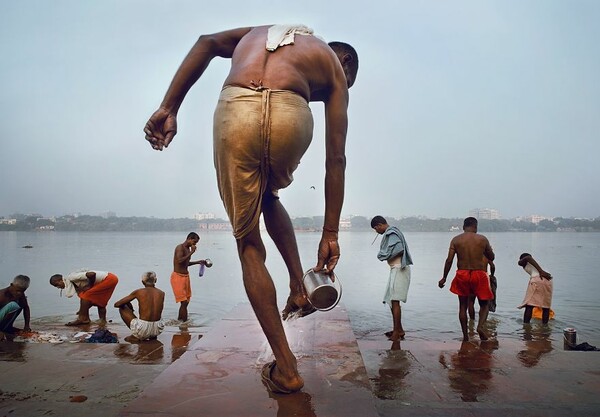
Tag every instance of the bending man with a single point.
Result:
(94, 288)
(262, 127)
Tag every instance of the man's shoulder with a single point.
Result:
(392, 230)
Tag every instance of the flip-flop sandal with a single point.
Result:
(266, 375)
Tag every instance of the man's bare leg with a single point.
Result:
(280, 229)
(471, 307)
(83, 315)
(484, 307)
(398, 332)
(463, 302)
(527, 314)
(261, 293)
(183, 311)
(102, 315)
(127, 313)
(545, 315)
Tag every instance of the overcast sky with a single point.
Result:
(457, 105)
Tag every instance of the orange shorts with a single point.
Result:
(472, 282)
(101, 292)
(181, 286)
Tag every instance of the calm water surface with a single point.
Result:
(430, 313)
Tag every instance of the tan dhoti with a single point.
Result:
(259, 138)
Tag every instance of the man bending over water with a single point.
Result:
(262, 127)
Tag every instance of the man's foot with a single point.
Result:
(132, 339)
(272, 379)
(11, 330)
(297, 306)
(482, 334)
(395, 336)
(77, 322)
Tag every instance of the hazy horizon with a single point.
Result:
(111, 213)
(457, 105)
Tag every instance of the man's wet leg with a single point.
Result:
(183, 311)
(261, 293)
(280, 229)
(398, 332)
(463, 302)
(484, 306)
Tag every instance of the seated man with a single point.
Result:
(150, 301)
(12, 302)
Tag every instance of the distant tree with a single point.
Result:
(547, 225)
(360, 222)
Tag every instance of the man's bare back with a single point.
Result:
(309, 67)
(151, 302)
(472, 251)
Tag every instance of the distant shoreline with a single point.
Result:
(86, 223)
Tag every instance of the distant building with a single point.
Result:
(345, 224)
(535, 218)
(204, 216)
(8, 221)
(108, 215)
(485, 214)
(215, 226)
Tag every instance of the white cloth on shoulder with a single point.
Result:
(79, 279)
(281, 35)
(143, 329)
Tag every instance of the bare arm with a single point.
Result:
(447, 264)
(529, 259)
(162, 125)
(336, 120)
(126, 299)
(182, 256)
(492, 268)
(488, 252)
(91, 280)
(26, 314)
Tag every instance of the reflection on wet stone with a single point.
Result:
(537, 343)
(394, 366)
(470, 369)
(298, 404)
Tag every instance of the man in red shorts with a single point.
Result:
(471, 277)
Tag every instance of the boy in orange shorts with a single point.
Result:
(180, 278)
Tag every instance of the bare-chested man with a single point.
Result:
(180, 277)
(150, 303)
(12, 302)
(262, 126)
(471, 277)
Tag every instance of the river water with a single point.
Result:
(429, 314)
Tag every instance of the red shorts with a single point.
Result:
(472, 282)
(101, 292)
